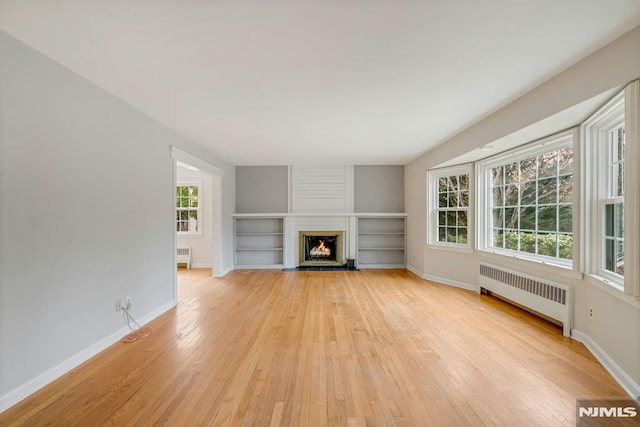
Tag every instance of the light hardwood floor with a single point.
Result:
(262, 348)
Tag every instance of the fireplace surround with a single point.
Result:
(320, 248)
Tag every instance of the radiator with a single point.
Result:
(184, 256)
(550, 299)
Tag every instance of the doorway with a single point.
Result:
(197, 212)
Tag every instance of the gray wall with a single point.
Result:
(86, 215)
(264, 189)
(261, 189)
(378, 189)
(617, 326)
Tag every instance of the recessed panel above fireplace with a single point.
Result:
(320, 248)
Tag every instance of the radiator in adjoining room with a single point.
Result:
(184, 256)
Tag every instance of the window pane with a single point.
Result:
(497, 196)
(614, 220)
(511, 240)
(453, 183)
(463, 182)
(547, 191)
(528, 193)
(442, 185)
(548, 164)
(618, 180)
(620, 258)
(565, 218)
(528, 242)
(497, 176)
(610, 254)
(565, 191)
(184, 215)
(451, 234)
(511, 173)
(498, 216)
(442, 200)
(511, 195)
(528, 169)
(453, 199)
(462, 219)
(528, 218)
(498, 238)
(547, 218)
(451, 218)
(547, 244)
(462, 235)
(442, 218)
(565, 246)
(511, 218)
(442, 234)
(565, 157)
(464, 199)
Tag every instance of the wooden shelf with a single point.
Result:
(381, 242)
(259, 242)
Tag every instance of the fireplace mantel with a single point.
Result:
(278, 246)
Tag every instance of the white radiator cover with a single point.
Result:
(184, 256)
(543, 296)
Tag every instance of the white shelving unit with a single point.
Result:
(381, 242)
(259, 242)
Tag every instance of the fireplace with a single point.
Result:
(320, 248)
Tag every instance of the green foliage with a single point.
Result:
(548, 244)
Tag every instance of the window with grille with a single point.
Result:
(187, 209)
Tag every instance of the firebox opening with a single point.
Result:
(320, 248)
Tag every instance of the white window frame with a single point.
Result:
(484, 215)
(198, 209)
(433, 177)
(595, 160)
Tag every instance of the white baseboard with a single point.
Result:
(202, 265)
(620, 375)
(19, 393)
(442, 280)
(224, 272)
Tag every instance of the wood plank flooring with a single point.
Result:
(272, 348)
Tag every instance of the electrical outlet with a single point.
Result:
(590, 311)
(118, 305)
(128, 303)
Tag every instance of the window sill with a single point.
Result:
(450, 248)
(612, 289)
(535, 264)
(189, 234)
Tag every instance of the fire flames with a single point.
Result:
(320, 250)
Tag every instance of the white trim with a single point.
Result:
(613, 290)
(356, 214)
(433, 177)
(202, 265)
(381, 266)
(632, 184)
(443, 281)
(620, 375)
(21, 392)
(531, 264)
(184, 157)
(225, 271)
(258, 266)
(449, 282)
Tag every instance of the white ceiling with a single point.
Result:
(333, 82)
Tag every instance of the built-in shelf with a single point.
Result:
(381, 242)
(259, 242)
